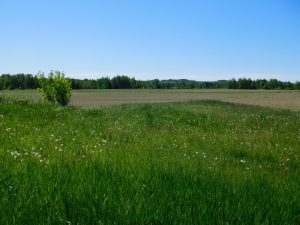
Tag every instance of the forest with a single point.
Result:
(29, 81)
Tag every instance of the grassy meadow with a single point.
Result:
(196, 162)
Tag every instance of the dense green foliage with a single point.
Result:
(27, 81)
(183, 163)
(127, 82)
(18, 81)
(55, 88)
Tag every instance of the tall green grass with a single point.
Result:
(199, 162)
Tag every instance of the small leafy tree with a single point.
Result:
(55, 88)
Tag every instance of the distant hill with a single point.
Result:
(177, 80)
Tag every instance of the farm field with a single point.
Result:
(95, 98)
(193, 162)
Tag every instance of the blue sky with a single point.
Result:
(200, 40)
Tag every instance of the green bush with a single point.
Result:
(55, 88)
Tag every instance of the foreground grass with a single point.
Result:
(184, 163)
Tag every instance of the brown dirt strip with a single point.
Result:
(93, 99)
(284, 100)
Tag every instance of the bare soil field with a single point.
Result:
(97, 98)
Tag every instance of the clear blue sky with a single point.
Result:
(193, 39)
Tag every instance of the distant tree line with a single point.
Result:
(18, 81)
(29, 81)
(244, 83)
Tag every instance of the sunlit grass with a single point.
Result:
(199, 162)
